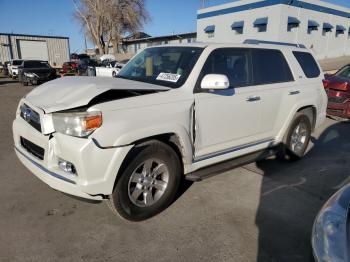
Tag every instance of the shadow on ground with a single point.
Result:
(285, 226)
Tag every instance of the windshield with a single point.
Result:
(167, 66)
(36, 64)
(344, 72)
(17, 62)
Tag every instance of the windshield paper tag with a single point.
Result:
(168, 77)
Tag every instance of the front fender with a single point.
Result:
(126, 127)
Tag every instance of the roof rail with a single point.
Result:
(257, 42)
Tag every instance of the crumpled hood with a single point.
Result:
(70, 92)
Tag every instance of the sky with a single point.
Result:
(55, 17)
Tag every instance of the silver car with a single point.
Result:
(331, 235)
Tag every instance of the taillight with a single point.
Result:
(342, 86)
(325, 83)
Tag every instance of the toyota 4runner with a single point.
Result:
(173, 111)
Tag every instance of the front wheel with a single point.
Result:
(297, 138)
(148, 183)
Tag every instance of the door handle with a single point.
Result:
(253, 98)
(296, 92)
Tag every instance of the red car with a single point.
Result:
(69, 68)
(338, 90)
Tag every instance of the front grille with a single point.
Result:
(32, 117)
(43, 75)
(337, 100)
(32, 148)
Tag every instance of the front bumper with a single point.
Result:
(14, 72)
(36, 80)
(96, 168)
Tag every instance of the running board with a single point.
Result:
(219, 168)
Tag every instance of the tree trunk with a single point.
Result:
(115, 43)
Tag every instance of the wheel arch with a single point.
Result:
(311, 112)
(170, 139)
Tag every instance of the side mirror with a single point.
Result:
(215, 82)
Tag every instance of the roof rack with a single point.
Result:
(257, 42)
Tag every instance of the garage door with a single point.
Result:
(28, 49)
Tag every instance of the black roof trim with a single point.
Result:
(43, 36)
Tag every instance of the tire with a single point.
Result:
(296, 141)
(153, 191)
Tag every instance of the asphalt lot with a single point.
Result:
(260, 212)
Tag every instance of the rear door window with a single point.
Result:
(270, 67)
(308, 64)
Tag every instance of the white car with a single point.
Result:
(111, 70)
(13, 67)
(172, 111)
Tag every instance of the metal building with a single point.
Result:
(132, 46)
(321, 26)
(54, 49)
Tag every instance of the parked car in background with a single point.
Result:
(5, 68)
(338, 91)
(13, 67)
(35, 72)
(111, 69)
(69, 68)
(331, 230)
(171, 112)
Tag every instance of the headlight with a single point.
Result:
(77, 124)
(30, 75)
(329, 237)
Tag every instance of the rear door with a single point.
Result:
(273, 77)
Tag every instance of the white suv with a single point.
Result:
(13, 67)
(173, 111)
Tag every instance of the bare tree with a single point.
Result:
(107, 21)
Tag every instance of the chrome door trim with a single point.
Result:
(231, 150)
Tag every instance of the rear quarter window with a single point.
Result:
(269, 67)
(308, 64)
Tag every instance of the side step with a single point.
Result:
(219, 168)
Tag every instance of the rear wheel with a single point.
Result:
(297, 138)
(148, 183)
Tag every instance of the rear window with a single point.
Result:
(269, 67)
(344, 72)
(308, 64)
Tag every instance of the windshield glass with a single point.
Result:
(344, 72)
(167, 66)
(36, 64)
(17, 62)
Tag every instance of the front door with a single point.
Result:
(230, 118)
